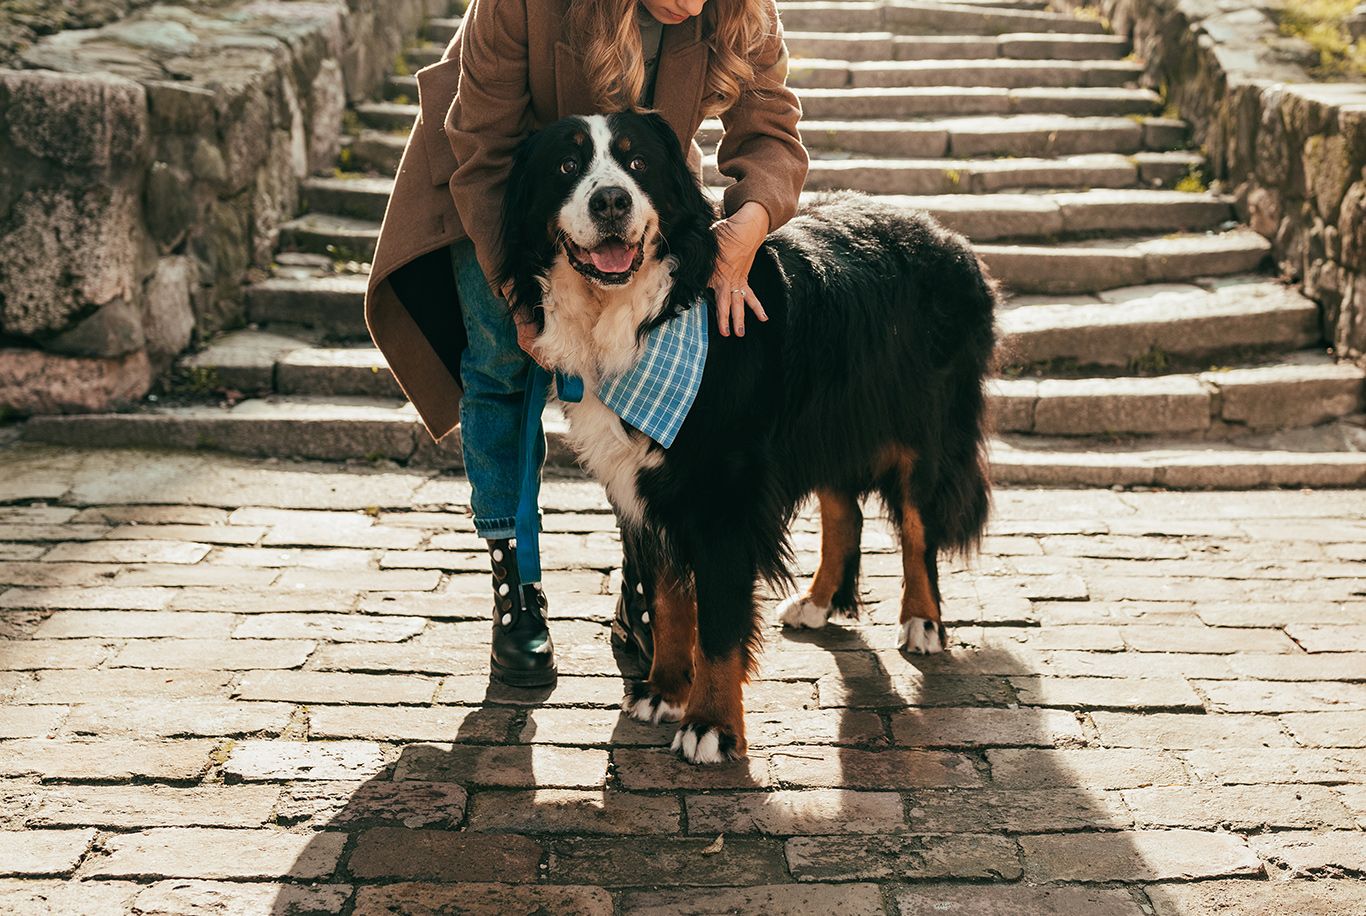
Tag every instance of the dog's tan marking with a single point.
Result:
(624, 144)
(917, 598)
(840, 529)
(674, 621)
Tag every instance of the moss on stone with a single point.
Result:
(1321, 24)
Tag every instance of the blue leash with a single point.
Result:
(527, 523)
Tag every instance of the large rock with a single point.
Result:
(62, 252)
(79, 120)
(325, 123)
(170, 204)
(167, 314)
(35, 382)
(113, 330)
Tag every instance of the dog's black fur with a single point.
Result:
(880, 336)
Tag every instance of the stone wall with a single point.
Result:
(1290, 149)
(145, 169)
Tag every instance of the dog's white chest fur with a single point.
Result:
(609, 453)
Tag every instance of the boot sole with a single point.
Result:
(515, 678)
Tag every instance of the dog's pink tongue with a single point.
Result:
(612, 257)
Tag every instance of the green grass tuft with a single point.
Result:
(1320, 23)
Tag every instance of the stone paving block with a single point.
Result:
(133, 624)
(177, 717)
(1092, 768)
(981, 727)
(36, 654)
(332, 627)
(107, 759)
(1138, 855)
(191, 896)
(204, 534)
(335, 804)
(667, 861)
(1182, 731)
(42, 852)
(1329, 638)
(859, 769)
(764, 900)
(905, 690)
(574, 811)
(1237, 807)
(477, 689)
(1009, 900)
(282, 557)
(123, 806)
(30, 721)
(1282, 696)
(410, 723)
(1336, 666)
(75, 686)
(270, 761)
(477, 899)
(29, 897)
(202, 852)
(511, 766)
(1310, 898)
(969, 856)
(1327, 729)
(1277, 765)
(1015, 810)
(438, 855)
(387, 580)
(1106, 693)
(1330, 854)
(661, 768)
(329, 687)
(1136, 665)
(1218, 640)
(787, 812)
(121, 551)
(214, 654)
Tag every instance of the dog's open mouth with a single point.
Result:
(613, 261)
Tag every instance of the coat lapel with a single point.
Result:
(682, 73)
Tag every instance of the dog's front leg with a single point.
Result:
(674, 621)
(713, 728)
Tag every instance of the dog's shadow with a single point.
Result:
(867, 765)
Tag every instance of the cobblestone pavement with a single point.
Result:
(251, 687)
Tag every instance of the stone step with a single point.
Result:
(1003, 74)
(981, 217)
(1306, 391)
(909, 18)
(922, 101)
(1011, 135)
(991, 135)
(387, 115)
(1155, 325)
(987, 176)
(369, 430)
(348, 194)
(885, 46)
(441, 29)
(1085, 267)
(331, 305)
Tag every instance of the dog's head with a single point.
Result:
(610, 196)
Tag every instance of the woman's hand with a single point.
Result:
(738, 238)
(527, 332)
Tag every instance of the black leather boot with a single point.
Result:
(633, 642)
(523, 654)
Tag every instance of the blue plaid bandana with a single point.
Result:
(655, 394)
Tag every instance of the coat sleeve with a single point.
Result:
(488, 118)
(761, 148)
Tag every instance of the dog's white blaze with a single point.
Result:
(576, 219)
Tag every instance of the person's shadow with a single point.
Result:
(875, 778)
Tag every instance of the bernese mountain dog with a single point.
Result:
(867, 377)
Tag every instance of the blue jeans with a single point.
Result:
(493, 373)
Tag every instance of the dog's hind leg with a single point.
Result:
(921, 630)
(664, 696)
(834, 588)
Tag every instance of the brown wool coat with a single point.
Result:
(516, 74)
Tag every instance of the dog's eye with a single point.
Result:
(638, 164)
(569, 166)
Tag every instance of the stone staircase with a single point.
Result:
(1145, 342)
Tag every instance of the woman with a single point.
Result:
(515, 66)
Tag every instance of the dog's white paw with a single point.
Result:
(802, 612)
(921, 637)
(701, 743)
(644, 705)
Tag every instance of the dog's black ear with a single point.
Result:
(687, 218)
(524, 246)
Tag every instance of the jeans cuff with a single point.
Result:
(495, 529)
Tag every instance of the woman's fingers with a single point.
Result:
(722, 294)
(737, 309)
(755, 305)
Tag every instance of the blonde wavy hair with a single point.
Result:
(614, 63)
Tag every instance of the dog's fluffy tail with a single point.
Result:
(959, 502)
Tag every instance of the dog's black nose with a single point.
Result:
(610, 202)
